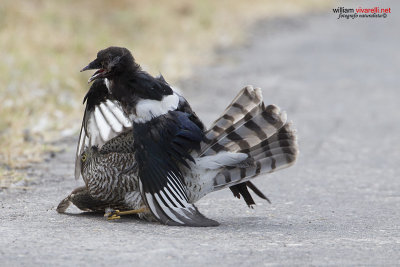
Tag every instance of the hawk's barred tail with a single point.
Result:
(262, 132)
(275, 153)
(244, 107)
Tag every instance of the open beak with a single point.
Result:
(95, 65)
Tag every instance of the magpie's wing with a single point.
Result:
(162, 148)
(103, 119)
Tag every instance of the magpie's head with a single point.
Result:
(110, 62)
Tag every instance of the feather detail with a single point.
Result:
(160, 145)
(220, 160)
(247, 127)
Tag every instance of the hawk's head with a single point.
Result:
(88, 154)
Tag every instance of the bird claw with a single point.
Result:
(112, 215)
(115, 214)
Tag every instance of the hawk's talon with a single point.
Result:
(112, 214)
(115, 214)
(113, 217)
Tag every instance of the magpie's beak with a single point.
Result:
(95, 65)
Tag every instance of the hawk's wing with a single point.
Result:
(103, 120)
(162, 145)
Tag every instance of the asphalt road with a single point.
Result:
(339, 205)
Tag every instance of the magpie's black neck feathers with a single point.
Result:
(134, 84)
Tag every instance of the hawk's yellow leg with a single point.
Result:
(115, 214)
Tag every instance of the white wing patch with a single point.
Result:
(107, 121)
(147, 109)
(111, 119)
(102, 125)
(93, 132)
(116, 109)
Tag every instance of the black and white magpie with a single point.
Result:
(163, 149)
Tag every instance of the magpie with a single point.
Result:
(142, 147)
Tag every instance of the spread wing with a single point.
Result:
(103, 120)
(162, 147)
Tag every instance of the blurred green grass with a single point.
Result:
(44, 44)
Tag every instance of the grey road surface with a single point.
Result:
(338, 80)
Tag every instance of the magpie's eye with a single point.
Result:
(83, 158)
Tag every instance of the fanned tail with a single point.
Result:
(268, 156)
(248, 127)
(244, 107)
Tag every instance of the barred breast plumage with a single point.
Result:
(110, 174)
